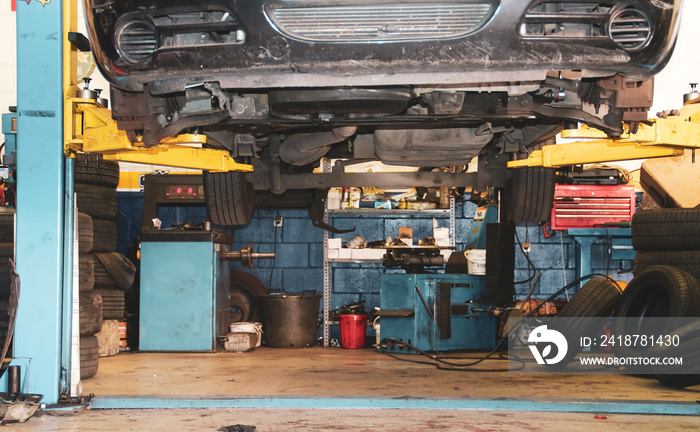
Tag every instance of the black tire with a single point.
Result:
(102, 278)
(529, 195)
(100, 202)
(241, 306)
(105, 235)
(687, 349)
(90, 313)
(688, 261)
(120, 271)
(659, 291)
(229, 199)
(247, 282)
(85, 233)
(112, 303)
(7, 227)
(596, 299)
(93, 169)
(86, 268)
(666, 230)
(89, 356)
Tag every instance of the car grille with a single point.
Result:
(631, 29)
(137, 41)
(380, 23)
(140, 34)
(628, 27)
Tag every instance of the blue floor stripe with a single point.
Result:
(598, 406)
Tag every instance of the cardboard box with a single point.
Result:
(333, 253)
(335, 243)
(345, 253)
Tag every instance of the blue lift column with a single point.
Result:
(40, 196)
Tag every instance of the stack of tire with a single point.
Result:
(96, 183)
(7, 251)
(667, 271)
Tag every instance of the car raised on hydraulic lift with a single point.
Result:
(425, 83)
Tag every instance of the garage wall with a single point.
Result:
(299, 248)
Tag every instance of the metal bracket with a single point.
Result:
(658, 137)
(89, 127)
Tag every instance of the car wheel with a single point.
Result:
(688, 261)
(90, 313)
(529, 195)
(104, 235)
(89, 356)
(93, 169)
(659, 291)
(596, 299)
(229, 198)
(242, 281)
(86, 280)
(112, 303)
(85, 233)
(666, 230)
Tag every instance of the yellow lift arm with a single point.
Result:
(658, 137)
(94, 131)
(88, 125)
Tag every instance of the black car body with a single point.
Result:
(282, 83)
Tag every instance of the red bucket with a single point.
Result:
(353, 330)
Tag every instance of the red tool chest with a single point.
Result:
(586, 206)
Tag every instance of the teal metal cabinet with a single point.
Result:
(184, 292)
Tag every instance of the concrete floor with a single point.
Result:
(350, 374)
(307, 420)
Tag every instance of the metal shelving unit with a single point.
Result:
(327, 269)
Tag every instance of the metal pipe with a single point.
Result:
(69, 257)
(246, 256)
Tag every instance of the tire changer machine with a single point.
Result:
(184, 285)
(452, 311)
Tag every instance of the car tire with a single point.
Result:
(596, 299)
(689, 337)
(688, 261)
(89, 356)
(529, 195)
(85, 233)
(103, 280)
(86, 271)
(100, 202)
(659, 291)
(112, 303)
(93, 169)
(229, 198)
(242, 280)
(7, 227)
(105, 235)
(666, 230)
(241, 306)
(90, 313)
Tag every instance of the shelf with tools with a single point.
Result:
(366, 255)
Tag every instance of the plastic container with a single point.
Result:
(243, 336)
(353, 331)
(476, 261)
(290, 320)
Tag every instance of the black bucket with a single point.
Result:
(290, 320)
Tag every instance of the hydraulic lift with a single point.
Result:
(54, 121)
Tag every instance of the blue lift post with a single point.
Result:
(40, 196)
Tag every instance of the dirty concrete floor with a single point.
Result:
(285, 420)
(336, 373)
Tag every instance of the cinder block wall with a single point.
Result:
(299, 248)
